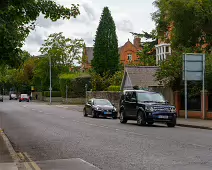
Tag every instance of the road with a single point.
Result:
(53, 137)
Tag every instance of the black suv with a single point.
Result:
(146, 107)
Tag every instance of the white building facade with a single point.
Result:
(162, 52)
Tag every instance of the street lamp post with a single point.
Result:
(86, 88)
(50, 79)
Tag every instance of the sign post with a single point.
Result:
(194, 70)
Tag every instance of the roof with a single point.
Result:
(89, 53)
(142, 76)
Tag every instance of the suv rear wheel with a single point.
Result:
(122, 117)
(140, 119)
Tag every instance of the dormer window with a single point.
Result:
(129, 57)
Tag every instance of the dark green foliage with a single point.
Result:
(106, 56)
(147, 55)
(54, 94)
(75, 84)
(17, 19)
(101, 83)
(114, 88)
(192, 21)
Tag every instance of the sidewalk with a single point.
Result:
(195, 123)
(6, 161)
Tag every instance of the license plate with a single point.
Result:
(107, 113)
(163, 117)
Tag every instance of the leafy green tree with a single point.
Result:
(170, 71)
(191, 22)
(147, 54)
(63, 53)
(17, 19)
(106, 56)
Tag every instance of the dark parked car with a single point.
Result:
(1, 99)
(100, 107)
(24, 97)
(146, 107)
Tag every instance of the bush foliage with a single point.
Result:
(114, 88)
(54, 94)
(75, 84)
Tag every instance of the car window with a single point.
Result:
(150, 97)
(130, 96)
(102, 102)
(24, 95)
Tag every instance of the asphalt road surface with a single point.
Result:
(61, 138)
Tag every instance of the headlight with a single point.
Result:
(98, 109)
(149, 109)
(173, 110)
(114, 109)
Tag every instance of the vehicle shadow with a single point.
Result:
(151, 126)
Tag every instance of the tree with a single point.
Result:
(17, 19)
(147, 55)
(63, 53)
(188, 21)
(106, 56)
(170, 71)
(62, 50)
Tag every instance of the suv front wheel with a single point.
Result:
(172, 124)
(122, 117)
(141, 119)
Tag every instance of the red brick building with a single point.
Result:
(128, 53)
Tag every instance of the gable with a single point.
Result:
(142, 76)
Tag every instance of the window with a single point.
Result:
(167, 49)
(129, 56)
(102, 102)
(150, 97)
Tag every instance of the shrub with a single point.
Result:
(114, 88)
(75, 84)
(54, 94)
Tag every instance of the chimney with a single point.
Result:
(137, 42)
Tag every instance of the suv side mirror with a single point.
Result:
(167, 102)
(113, 104)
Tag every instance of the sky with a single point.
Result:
(129, 16)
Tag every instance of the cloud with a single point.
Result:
(125, 25)
(47, 23)
(84, 26)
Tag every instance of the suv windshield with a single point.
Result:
(150, 97)
(102, 102)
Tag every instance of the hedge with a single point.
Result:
(75, 83)
(114, 88)
(54, 94)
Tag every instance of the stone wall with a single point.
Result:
(113, 97)
(54, 99)
(73, 100)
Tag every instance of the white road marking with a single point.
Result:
(91, 165)
(41, 111)
(32, 109)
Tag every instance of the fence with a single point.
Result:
(193, 103)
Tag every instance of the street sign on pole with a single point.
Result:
(194, 70)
